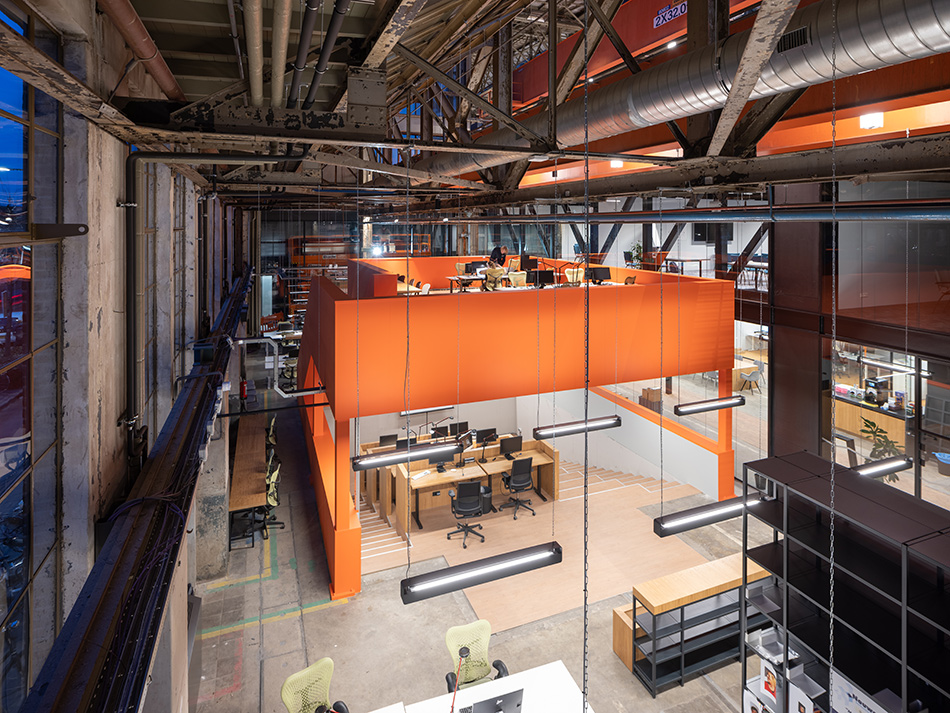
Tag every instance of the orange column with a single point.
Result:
(726, 454)
(347, 536)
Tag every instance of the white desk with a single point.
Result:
(547, 689)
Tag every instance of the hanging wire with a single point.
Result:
(659, 269)
(407, 392)
(834, 339)
(586, 358)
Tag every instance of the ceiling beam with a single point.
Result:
(321, 157)
(757, 122)
(770, 24)
(464, 91)
(577, 61)
(632, 65)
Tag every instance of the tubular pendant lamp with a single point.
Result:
(572, 427)
(708, 405)
(883, 467)
(701, 516)
(450, 579)
(405, 455)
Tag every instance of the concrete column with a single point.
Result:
(211, 505)
(93, 270)
(164, 293)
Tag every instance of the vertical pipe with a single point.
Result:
(278, 51)
(234, 37)
(329, 41)
(307, 23)
(254, 34)
(552, 72)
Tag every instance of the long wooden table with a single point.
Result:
(249, 476)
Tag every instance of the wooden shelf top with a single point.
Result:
(695, 584)
(248, 480)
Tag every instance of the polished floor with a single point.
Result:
(272, 615)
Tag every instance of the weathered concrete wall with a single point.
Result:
(211, 504)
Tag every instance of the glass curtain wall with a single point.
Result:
(30, 359)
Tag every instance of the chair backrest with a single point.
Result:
(574, 274)
(468, 501)
(628, 256)
(460, 268)
(305, 691)
(514, 264)
(518, 279)
(284, 326)
(426, 287)
(520, 478)
(493, 277)
(630, 280)
(475, 637)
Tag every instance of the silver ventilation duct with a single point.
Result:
(871, 35)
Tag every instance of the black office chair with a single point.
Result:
(518, 480)
(466, 505)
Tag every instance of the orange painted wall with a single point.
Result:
(489, 345)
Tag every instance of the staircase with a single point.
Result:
(602, 480)
(377, 538)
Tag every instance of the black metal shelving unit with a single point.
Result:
(892, 603)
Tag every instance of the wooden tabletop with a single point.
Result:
(500, 464)
(694, 584)
(248, 479)
(451, 476)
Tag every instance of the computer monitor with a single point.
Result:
(510, 445)
(440, 431)
(598, 274)
(403, 442)
(485, 435)
(472, 267)
(458, 427)
(388, 440)
(439, 460)
(528, 262)
(541, 277)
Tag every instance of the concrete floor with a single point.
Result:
(272, 617)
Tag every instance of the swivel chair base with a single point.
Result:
(466, 530)
(517, 504)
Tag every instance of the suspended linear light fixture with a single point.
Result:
(701, 516)
(884, 467)
(569, 429)
(409, 453)
(708, 405)
(450, 579)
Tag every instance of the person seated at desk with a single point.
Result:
(498, 256)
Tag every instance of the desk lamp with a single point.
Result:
(485, 443)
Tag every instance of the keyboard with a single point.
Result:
(465, 709)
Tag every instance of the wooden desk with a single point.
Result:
(403, 287)
(416, 494)
(463, 281)
(249, 475)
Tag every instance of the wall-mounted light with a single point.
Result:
(451, 579)
(884, 467)
(874, 120)
(708, 405)
(569, 429)
(671, 45)
(445, 220)
(701, 516)
(377, 250)
(616, 164)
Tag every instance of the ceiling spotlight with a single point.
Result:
(365, 218)
(445, 220)
(671, 45)
(616, 164)
(377, 250)
(396, 220)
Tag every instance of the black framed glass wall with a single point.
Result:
(30, 368)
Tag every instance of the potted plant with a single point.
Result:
(882, 445)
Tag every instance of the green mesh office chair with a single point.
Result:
(474, 669)
(309, 690)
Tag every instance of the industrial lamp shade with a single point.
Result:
(886, 466)
(708, 405)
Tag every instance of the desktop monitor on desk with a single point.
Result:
(597, 275)
(528, 262)
(505, 703)
(472, 267)
(485, 435)
(541, 277)
(389, 439)
(510, 445)
(457, 428)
